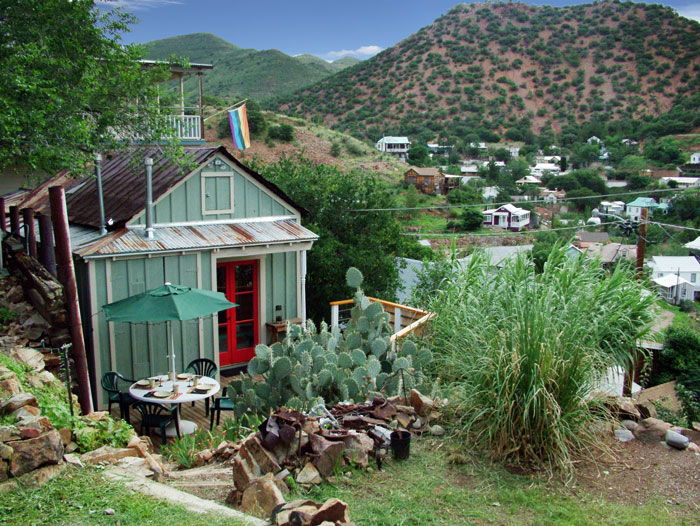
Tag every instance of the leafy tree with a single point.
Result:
(637, 182)
(502, 154)
(418, 155)
(412, 198)
(584, 154)
(465, 194)
(581, 197)
(68, 83)
(566, 182)
(563, 163)
(472, 219)
(282, 132)
(369, 241)
(665, 151)
(590, 179)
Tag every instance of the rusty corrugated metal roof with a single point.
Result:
(124, 188)
(198, 236)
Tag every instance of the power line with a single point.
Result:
(675, 226)
(444, 207)
(501, 234)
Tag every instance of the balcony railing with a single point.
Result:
(187, 127)
(405, 320)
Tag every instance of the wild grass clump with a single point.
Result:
(522, 352)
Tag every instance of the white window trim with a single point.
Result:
(206, 175)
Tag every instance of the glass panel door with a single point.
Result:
(238, 327)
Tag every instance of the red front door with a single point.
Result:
(238, 327)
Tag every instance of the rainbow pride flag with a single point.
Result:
(238, 119)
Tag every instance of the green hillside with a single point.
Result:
(242, 72)
(493, 70)
(331, 67)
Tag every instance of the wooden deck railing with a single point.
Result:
(405, 320)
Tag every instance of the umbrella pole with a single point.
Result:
(172, 348)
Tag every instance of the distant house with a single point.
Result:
(611, 253)
(616, 184)
(508, 217)
(612, 207)
(585, 239)
(528, 179)
(439, 149)
(552, 196)
(542, 169)
(695, 158)
(428, 180)
(634, 209)
(573, 252)
(683, 182)
(398, 146)
(694, 244)
(594, 140)
(676, 277)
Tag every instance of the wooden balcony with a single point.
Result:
(405, 320)
(186, 127)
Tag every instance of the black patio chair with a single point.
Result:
(157, 415)
(118, 394)
(203, 367)
(221, 403)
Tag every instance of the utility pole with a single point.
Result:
(641, 243)
(641, 247)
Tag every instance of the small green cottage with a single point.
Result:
(220, 226)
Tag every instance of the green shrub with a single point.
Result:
(522, 352)
(281, 132)
(7, 315)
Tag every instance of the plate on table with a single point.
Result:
(143, 382)
(184, 376)
(205, 387)
(162, 394)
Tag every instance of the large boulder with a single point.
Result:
(262, 496)
(15, 402)
(27, 455)
(652, 430)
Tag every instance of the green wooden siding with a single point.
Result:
(281, 280)
(141, 349)
(184, 203)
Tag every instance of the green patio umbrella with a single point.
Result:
(167, 303)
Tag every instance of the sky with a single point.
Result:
(328, 29)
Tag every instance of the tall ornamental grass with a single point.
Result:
(522, 352)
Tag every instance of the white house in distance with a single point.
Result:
(552, 196)
(398, 146)
(683, 182)
(676, 277)
(695, 158)
(612, 207)
(528, 179)
(540, 169)
(508, 217)
(489, 192)
(634, 209)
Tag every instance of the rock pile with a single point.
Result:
(291, 446)
(37, 298)
(639, 422)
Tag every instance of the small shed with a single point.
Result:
(428, 180)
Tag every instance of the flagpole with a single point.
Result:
(239, 103)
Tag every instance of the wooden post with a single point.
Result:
(66, 273)
(3, 218)
(29, 231)
(201, 107)
(639, 264)
(46, 253)
(641, 243)
(14, 221)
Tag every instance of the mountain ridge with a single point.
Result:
(260, 74)
(513, 69)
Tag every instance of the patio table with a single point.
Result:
(187, 427)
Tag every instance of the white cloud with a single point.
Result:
(360, 52)
(690, 11)
(136, 5)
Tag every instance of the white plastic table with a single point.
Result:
(187, 427)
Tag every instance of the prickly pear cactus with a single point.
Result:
(316, 365)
